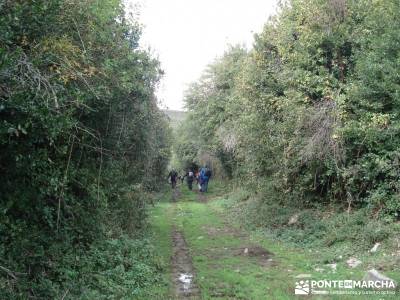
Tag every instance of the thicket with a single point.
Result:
(309, 117)
(82, 143)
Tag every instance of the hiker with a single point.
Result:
(173, 175)
(205, 174)
(198, 181)
(202, 174)
(189, 179)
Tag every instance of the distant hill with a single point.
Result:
(175, 116)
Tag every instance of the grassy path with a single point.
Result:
(226, 261)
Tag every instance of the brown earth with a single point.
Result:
(201, 197)
(176, 194)
(183, 273)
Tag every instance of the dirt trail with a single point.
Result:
(201, 197)
(176, 194)
(182, 268)
(247, 253)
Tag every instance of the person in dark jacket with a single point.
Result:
(173, 175)
(189, 179)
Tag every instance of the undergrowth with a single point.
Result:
(119, 264)
(334, 231)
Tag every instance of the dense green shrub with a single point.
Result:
(310, 114)
(81, 143)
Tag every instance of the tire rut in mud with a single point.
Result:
(182, 268)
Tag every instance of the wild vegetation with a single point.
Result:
(305, 126)
(308, 120)
(82, 144)
(229, 261)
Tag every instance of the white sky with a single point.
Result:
(187, 35)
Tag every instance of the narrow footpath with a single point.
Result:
(207, 255)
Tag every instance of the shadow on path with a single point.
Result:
(201, 197)
(176, 194)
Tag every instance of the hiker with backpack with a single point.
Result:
(173, 175)
(182, 177)
(205, 175)
(189, 179)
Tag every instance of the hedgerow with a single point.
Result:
(82, 142)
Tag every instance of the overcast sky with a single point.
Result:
(186, 35)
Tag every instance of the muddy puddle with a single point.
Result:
(182, 269)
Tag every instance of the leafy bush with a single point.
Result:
(311, 112)
(82, 142)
